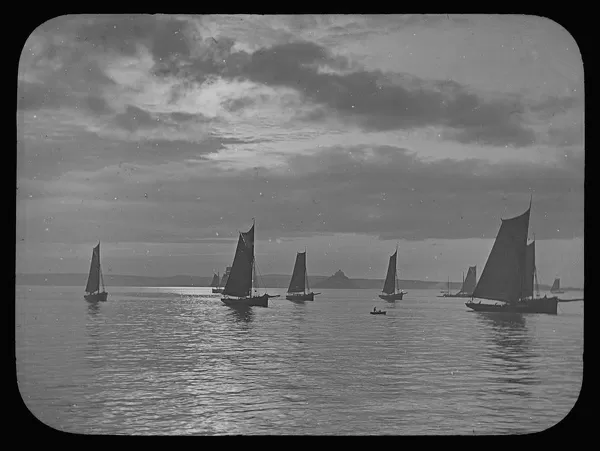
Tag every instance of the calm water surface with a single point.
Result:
(178, 361)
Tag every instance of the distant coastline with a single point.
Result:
(270, 281)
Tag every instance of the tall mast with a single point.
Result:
(523, 268)
(537, 286)
(396, 274)
(102, 279)
(253, 259)
(100, 270)
(306, 286)
(305, 279)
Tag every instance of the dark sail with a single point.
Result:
(502, 276)
(298, 282)
(555, 285)
(529, 271)
(470, 281)
(93, 283)
(225, 276)
(215, 281)
(389, 286)
(239, 282)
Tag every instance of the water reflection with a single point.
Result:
(297, 323)
(240, 314)
(93, 329)
(93, 308)
(299, 312)
(510, 352)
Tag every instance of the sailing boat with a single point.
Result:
(390, 290)
(215, 284)
(468, 285)
(556, 287)
(446, 293)
(509, 272)
(297, 291)
(240, 289)
(94, 278)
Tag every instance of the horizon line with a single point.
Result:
(265, 275)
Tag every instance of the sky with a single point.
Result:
(162, 136)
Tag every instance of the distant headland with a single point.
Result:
(338, 280)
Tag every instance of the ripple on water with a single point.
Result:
(168, 362)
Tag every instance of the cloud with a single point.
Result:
(135, 118)
(47, 160)
(164, 36)
(170, 74)
(34, 96)
(371, 100)
(566, 136)
(494, 135)
(154, 90)
(384, 192)
(555, 105)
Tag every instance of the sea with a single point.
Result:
(177, 361)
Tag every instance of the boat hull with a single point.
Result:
(217, 290)
(537, 305)
(301, 297)
(392, 297)
(377, 313)
(96, 297)
(253, 301)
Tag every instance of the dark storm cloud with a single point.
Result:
(493, 135)
(97, 105)
(37, 96)
(392, 195)
(566, 136)
(553, 106)
(46, 161)
(183, 117)
(164, 36)
(70, 68)
(369, 99)
(33, 96)
(135, 118)
(64, 76)
(385, 191)
(398, 196)
(212, 57)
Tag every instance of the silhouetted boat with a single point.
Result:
(556, 287)
(240, 289)
(94, 278)
(297, 291)
(446, 293)
(468, 285)
(378, 312)
(509, 272)
(215, 284)
(390, 290)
